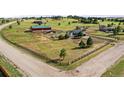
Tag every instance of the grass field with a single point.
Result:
(116, 70)
(39, 43)
(64, 24)
(11, 70)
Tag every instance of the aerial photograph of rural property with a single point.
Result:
(64, 46)
(57, 41)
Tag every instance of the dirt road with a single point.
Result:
(29, 64)
(99, 64)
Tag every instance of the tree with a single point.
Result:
(18, 22)
(118, 29)
(3, 21)
(89, 41)
(95, 21)
(82, 44)
(69, 23)
(109, 25)
(62, 53)
(112, 24)
(66, 35)
(77, 27)
(80, 34)
(10, 27)
(115, 32)
(119, 23)
(59, 24)
(61, 37)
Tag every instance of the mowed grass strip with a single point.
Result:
(116, 70)
(11, 70)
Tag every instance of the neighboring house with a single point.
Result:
(75, 33)
(105, 28)
(39, 28)
(38, 22)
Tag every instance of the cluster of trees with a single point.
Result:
(18, 22)
(89, 20)
(63, 53)
(116, 19)
(117, 30)
(88, 43)
(61, 37)
(3, 21)
(57, 17)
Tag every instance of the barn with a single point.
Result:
(39, 28)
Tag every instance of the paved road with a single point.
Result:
(30, 65)
(99, 64)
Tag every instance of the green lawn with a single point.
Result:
(11, 70)
(116, 70)
(64, 24)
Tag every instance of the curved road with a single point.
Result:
(27, 63)
(35, 67)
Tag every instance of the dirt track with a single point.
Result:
(29, 64)
(99, 64)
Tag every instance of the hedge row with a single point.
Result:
(105, 38)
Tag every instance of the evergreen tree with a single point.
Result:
(62, 53)
(82, 44)
(89, 41)
(66, 36)
(80, 34)
(115, 32)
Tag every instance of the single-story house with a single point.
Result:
(105, 28)
(76, 33)
(38, 22)
(39, 28)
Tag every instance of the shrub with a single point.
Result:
(80, 34)
(66, 36)
(59, 24)
(10, 27)
(61, 37)
(69, 23)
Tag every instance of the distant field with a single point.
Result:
(116, 70)
(64, 24)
